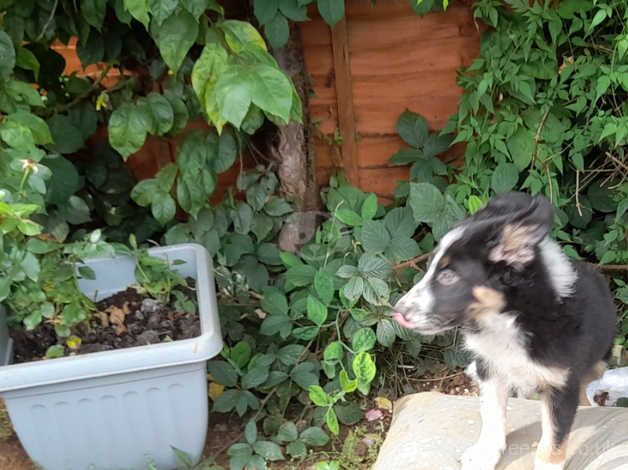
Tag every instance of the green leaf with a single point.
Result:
(241, 353)
(274, 302)
(373, 266)
(332, 11)
(66, 136)
(364, 369)
(332, 421)
(386, 333)
(304, 376)
(139, 10)
(37, 126)
(426, 201)
(348, 216)
(55, 351)
(128, 126)
(374, 237)
(290, 354)
(333, 352)
(521, 146)
(26, 60)
(277, 207)
(363, 340)
(314, 436)
(174, 37)
(319, 397)
(7, 55)
(250, 432)
(162, 9)
(223, 373)
(348, 414)
(277, 31)
(306, 333)
(369, 207)
(296, 449)
(300, 275)
(347, 385)
(324, 286)
(353, 289)
(268, 450)
(241, 36)
(93, 11)
(287, 432)
(163, 114)
(65, 180)
(293, 10)
(316, 311)
(412, 128)
(265, 10)
(227, 152)
(505, 177)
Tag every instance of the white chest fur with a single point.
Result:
(502, 346)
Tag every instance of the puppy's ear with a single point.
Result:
(521, 233)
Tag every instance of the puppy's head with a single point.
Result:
(460, 281)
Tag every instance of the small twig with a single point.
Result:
(610, 267)
(578, 193)
(617, 161)
(48, 21)
(537, 137)
(414, 261)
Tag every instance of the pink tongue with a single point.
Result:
(399, 318)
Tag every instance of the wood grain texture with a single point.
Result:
(398, 61)
(344, 94)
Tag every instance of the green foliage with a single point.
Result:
(544, 110)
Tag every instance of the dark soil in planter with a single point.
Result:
(124, 320)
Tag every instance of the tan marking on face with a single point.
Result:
(444, 262)
(487, 300)
(513, 247)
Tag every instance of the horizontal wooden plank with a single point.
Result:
(314, 32)
(377, 118)
(382, 181)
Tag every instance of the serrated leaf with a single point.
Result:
(324, 286)
(374, 237)
(505, 177)
(412, 128)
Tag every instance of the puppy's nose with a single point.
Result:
(402, 320)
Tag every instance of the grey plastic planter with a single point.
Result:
(118, 409)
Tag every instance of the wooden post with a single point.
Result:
(344, 98)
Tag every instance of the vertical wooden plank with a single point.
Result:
(344, 97)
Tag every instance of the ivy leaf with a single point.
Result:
(505, 177)
(163, 114)
(412, 128)
(277, 31)
(7, 55)
(332, 11)
(162, 9)
(139, 10)
(174, 37)
(227, 152)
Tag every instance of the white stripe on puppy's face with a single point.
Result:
(413, 308)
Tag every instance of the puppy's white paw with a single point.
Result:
(540, 465)
(480, 457)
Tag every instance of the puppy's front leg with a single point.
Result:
(485, 454)
(558, 409)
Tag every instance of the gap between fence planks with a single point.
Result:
(344, 94)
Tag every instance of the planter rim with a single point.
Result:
(121, 361)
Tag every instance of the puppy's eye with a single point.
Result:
(447, 277)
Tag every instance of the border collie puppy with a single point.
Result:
(534, 320)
